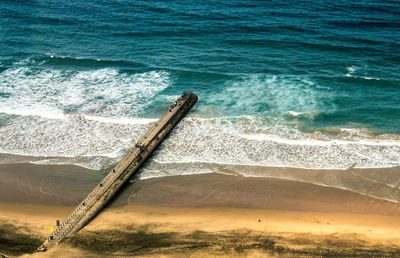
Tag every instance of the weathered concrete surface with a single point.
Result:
(120, 174)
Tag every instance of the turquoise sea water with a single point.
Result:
(310, 84)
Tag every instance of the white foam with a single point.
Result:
(294, 113)
(370, 78)
(351, 70)
(101, 125)
(97, 93)
(314, 142)
(252, 94)
(87, 118)
(38, 136)
(58, 114)
(224, 142)
(123, 121)
(233, 141)
(40, 111)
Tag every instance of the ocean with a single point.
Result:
(303, 84)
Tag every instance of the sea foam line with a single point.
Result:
(304, 139)
(313, 142)
(59, 115)
(254, 164)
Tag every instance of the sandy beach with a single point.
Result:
(195, 215)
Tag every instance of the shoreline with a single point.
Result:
(67, 185)
(205, 214)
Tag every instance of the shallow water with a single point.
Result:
(309, 85)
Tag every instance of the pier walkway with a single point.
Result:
(121, 173)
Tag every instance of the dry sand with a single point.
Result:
(199, 215)
(155, 230)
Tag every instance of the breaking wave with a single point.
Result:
(92, 118)
(237, 141)
(54, 94)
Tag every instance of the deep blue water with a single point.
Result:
(280, 83)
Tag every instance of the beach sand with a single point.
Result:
(194, 215)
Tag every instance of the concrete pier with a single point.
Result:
(122, 172)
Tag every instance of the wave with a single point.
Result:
(127, 121)
(351, 70)
(360, 77)
(80, 141)
(63, 116)
(226, 140)
(235, 142)
(92, 118)
(302, 115)
(363, 77)
(274, 95)
(52, 60)
(59, 94)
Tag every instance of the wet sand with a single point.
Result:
(195, 215)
